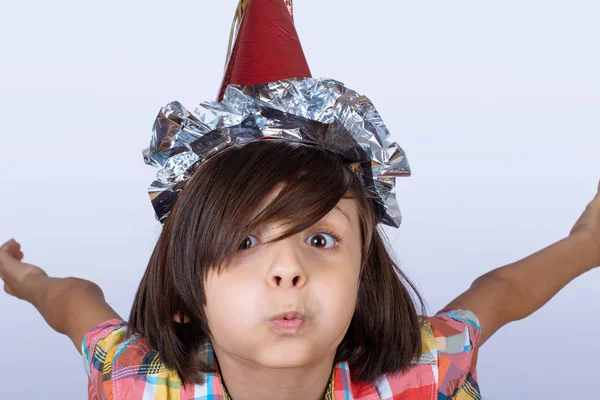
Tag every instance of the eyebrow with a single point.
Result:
(337, 207)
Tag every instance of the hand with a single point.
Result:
(588, 225)
(15, 273)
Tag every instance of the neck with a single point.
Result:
(246, 380)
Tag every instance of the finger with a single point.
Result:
(15, 247)
(4, 252)
(11, 248)
(7, 253)
(5, 246)
(16, 251)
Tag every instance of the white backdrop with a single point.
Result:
(495, 104)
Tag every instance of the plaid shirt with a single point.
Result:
(121, 368)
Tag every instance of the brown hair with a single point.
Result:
(214, 214)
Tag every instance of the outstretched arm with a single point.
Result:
(515, 291)
(70, 306)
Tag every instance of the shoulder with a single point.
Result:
(454, 331)
(120, 366)
(457, 319)
(445, 368)
(453, 336)
(457, 334)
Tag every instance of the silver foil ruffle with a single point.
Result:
(321, 111)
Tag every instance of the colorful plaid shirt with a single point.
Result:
(120, 367)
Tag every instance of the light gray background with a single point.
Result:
(496, 105)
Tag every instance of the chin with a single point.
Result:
(286, 354)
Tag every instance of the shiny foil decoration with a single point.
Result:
(319, 111)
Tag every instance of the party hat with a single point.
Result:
(266, 47)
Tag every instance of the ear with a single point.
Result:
(177, 318)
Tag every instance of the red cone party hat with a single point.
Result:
(267, 48)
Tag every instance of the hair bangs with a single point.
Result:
(304, 201)
(292, 183)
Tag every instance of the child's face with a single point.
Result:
(310, 273)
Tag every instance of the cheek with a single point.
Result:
(233, 304)
(336, 296)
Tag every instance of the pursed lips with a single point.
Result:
(288, 321)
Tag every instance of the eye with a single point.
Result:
(248, 243)
(323, 240)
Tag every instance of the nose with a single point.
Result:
(286, 270)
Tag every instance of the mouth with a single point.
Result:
(288, 321)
